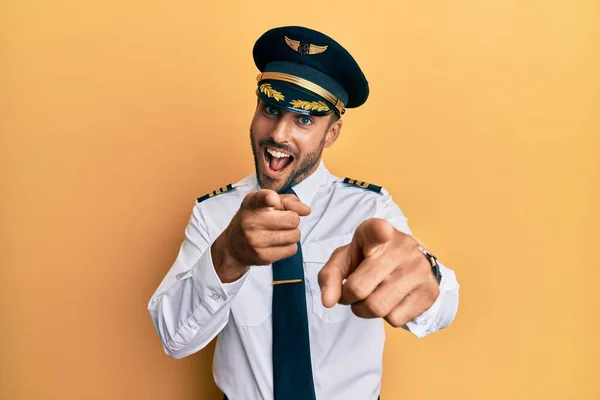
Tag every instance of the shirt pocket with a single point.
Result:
(315, 256)
(253, 303)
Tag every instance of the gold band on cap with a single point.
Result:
(303, 83)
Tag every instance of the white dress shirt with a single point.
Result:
(191, 305)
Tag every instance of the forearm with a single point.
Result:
(184, 321)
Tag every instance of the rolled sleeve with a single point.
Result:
(212, 292)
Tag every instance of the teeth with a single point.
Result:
(277, 154)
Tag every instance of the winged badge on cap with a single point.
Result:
(305, 48)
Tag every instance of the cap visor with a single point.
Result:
(293, 98)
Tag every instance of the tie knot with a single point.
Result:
(289, 190)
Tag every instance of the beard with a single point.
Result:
(303, 165)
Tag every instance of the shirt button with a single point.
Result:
(423, 322)
(216, 296)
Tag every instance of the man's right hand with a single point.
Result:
(264, 230)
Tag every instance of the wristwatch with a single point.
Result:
(435, 267)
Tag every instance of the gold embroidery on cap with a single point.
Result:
(270, 92)
(303, 83)
(309, 105)
(305, 48)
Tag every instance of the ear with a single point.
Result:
(333, 132)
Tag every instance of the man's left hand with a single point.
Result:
(387, 276)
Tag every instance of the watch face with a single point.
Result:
(431, 257)
(435, 267)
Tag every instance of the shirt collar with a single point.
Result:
(306, 189)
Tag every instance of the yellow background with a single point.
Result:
(482, 122)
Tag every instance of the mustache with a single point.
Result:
(271, 143)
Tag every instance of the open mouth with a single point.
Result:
(276, 161)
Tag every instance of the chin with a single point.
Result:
(275, 184)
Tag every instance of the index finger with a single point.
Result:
(291, 202)
(263, 198)
(333, 274)
(371, 235)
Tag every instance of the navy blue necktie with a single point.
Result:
(292, 368)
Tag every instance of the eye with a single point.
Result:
(304, 120)
(271, 110)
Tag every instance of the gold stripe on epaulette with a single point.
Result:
(215, 193)
(363, 184)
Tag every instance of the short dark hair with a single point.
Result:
(333, 119)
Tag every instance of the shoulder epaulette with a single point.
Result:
(214, 193)
(362, 184)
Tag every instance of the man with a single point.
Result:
(292, 268)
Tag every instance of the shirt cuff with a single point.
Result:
(214, 294)
(432, 319)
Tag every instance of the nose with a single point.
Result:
(282, 131)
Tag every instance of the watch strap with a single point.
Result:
(435, 266)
